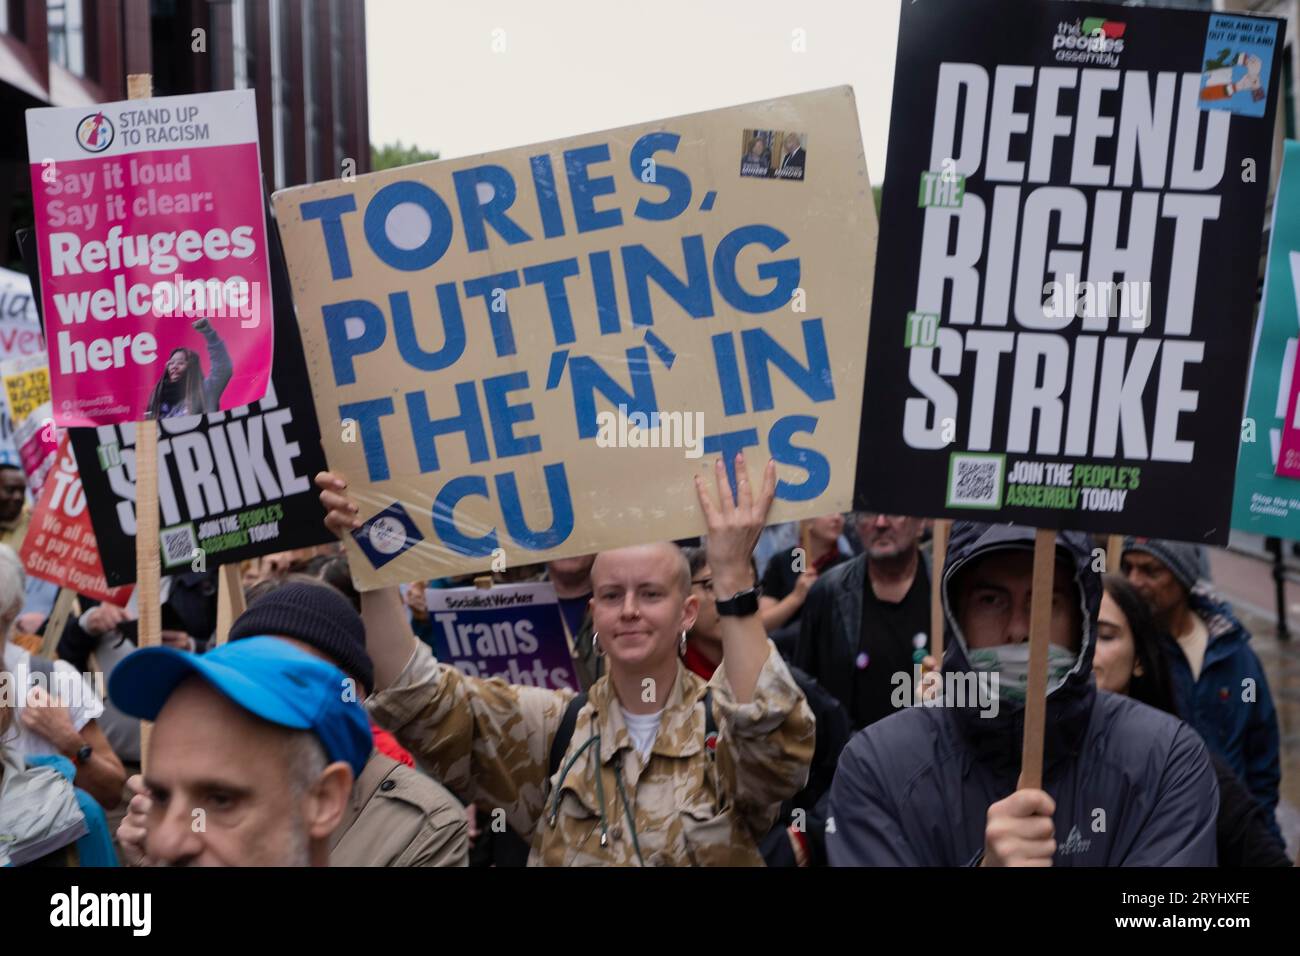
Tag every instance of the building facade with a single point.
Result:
(305, 59)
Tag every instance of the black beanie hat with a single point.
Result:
(315, 614)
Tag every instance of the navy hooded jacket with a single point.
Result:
(1230, 704)
(1133, 786)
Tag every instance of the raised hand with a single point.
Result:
(735, 524)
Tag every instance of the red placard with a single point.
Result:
(60, 543)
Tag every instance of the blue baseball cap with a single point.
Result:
(267, 677)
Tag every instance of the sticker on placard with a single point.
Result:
(1237, 63)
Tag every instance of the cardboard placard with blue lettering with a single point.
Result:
(511, 631)
(531, 354)
(1060, 332)
(1264, 502)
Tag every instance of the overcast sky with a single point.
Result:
(577, 66)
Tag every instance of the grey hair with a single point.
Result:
(13, 584)
(305, 759)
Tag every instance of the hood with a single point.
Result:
(38, 811)
(1225, 630)
(997, 739)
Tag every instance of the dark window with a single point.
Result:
(13, 18)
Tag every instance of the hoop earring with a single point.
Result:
(681, 646)
(595, 643)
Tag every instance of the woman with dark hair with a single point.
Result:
(1128, 661)
(1128, 658)
(183, 390)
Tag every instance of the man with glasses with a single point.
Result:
(868, 619)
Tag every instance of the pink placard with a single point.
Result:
(153, 260)
(38, 441)
(1288, 456)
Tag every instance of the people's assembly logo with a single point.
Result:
(95, 133)
(387, 535)
(1091, 40)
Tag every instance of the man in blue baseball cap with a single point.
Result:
(253, 754)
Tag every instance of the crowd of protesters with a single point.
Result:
(739, 704)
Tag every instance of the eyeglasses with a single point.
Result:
(706, 583)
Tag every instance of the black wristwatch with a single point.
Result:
(740, 604)
(83, 754)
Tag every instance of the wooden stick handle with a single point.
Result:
(1040, 623)
(1114, 553)
(57, 620)
(139, 86)
(230, 600)
(939, 555)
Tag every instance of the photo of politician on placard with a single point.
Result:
(757, 158)
(792, 156)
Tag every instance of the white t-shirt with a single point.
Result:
(643, 729)
(66, 685)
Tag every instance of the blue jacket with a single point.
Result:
(1240, 730)
(1133, 786)
(95, 848)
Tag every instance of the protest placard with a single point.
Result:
(20, 336)
(20, 326)
(231, 485)
(152, 251)
(1265, 502)
(1071, 268)
(37, 441)
(511, 631)
(25, 383)
(531, 354)
(1288, 458)
(60, 542)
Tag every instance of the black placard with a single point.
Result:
(1076, 144)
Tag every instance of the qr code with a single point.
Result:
(178, 544)
(975, 481)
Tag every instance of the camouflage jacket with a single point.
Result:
(687, 805)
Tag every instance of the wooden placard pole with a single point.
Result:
(1040, 623)
(230, 600)
(939, 554)
(1114, 553)
(139, 86)
(58, 619)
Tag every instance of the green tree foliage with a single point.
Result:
(395, 154)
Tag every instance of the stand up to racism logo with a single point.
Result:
(95, 133)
